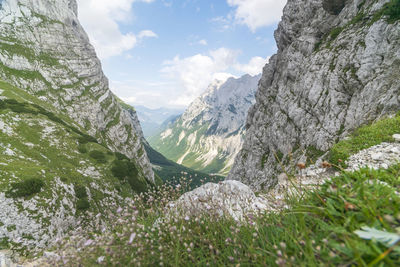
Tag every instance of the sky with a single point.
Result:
(164, 53)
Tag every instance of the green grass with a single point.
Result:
(125, 170)
(82, 204)
(80, 191)
(335, 33)
(25, 188)
(316, 230)
(99, 156)
(123, 104)
(364, 137)
(35, 109)
(390, 11)
(313, 154)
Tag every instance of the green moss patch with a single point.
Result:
(363, 138)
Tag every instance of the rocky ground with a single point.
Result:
(6, 259)
(237, 200)
(379, 156)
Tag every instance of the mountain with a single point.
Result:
(152, 119)
(169, 171)
(209, 134)
(337, 68)
(45, 51)
(68, 149)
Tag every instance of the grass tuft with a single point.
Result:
(98, 155)
(363, 138)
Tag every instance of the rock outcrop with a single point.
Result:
(44, 50)
(208, 136)
(337, 67)
(227, 198)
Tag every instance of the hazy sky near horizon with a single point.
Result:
(164, 53)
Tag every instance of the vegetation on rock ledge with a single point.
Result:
(364, 137)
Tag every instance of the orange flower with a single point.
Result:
(349, 206)
(326, 165)
(301, 165)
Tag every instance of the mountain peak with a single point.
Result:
(209, 134)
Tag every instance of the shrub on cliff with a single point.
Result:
(25, 188)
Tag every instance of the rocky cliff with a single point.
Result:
(44, 50)
(68, 151)
(337, 67)
(210, 133)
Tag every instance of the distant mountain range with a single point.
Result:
(151, 120)
(210, 133)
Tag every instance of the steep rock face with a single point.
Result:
(52, 173)
(333, 72)
(210, 133)
(44, 50)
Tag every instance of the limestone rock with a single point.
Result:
(5, 259)
(331, 74)
(396, 137)
(333, 7)
(379, 156)
(227, 198)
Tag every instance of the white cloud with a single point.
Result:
(100, 19)
(136, 92)
(203, 42)
(129, 99)
(184, 78)
(254, 67)
(195, 73)
(147, 33)
(257, 13)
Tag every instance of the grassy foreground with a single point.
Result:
(317, 230)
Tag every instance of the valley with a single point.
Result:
(292, 161)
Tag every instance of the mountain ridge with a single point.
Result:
(64, 70)
(208, 135)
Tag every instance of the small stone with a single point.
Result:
(377, 156)
(396, 137)
(384, 165)
(395, 150)
(311, 173)
(282, 177)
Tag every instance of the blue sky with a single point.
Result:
(164, 53)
